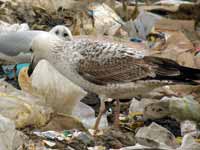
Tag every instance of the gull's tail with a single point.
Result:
(170, 70)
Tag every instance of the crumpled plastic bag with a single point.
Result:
(10, 138)
(22, 108)
(59, 92)
(6, 27)
(106, 21)
(189, 142)
(156, 137)
(87, 116)
(185, 108)
(142, 25)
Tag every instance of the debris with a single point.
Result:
(189, 142)
(84, 138)
(188, 126)
(12, 71)
(174, 25)
(138, 40)
(185, 108)
(177, 90)
(97, 148)
(114, 138)
(10, 138)
(56, 139)
(142, 25)
(87, 116)
(51, 135)
(22, 108)
(132, 121)
(156, 41)
(94, 133)
(47, 82)
(156, 136)
(106, 21)
(138, 106)
(176, 47)
(140, 147)
(49, 143)
(60, 122)
(167, 122)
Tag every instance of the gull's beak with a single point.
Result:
(31, 67)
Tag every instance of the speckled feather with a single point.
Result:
(105, 62)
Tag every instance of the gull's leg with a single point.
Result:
(117, 112)
(101, 112)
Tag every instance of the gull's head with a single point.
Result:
(62, 32)
(44, 46)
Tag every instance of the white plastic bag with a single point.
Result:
(59, 92)
(87, 116)
(142, 25)
(22, 108)
(10, 138)
(106, 21)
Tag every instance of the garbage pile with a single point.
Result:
(46, 110)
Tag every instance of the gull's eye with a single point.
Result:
(65, 34)
(31, 50)
(57, 32)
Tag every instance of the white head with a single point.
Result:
(45, 46)
(62, 32)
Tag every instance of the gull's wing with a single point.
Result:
(106, 63)
(14, 43)
(114, 70)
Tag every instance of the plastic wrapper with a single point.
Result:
(142, 25)
(188, 126)
(156, 136)
(10, 138)
(179, 108)
(139, 105)
(106, 21)
(189, 143)
(87, 116)
(22, 108)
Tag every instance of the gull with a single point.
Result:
(107, 68)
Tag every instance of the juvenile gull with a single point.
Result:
(108, 69)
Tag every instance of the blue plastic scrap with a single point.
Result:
(13, 70)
